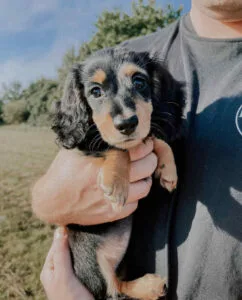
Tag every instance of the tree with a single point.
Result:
(115, 27)
(39, 97)
(11, 92)
(68, 61)
(15, 112)
(1, 112)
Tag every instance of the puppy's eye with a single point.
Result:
(96, 92)
(139, 83)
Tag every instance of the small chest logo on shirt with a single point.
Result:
(238, 120)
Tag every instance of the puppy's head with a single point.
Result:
(111, 92)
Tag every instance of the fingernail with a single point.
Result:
(60, 233)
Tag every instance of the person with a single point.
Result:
(195, 237)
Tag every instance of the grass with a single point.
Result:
(25, 154)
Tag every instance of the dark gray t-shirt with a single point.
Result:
(195, 239)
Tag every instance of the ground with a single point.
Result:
(25, 154)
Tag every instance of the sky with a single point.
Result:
(35, 34)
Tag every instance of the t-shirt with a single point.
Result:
(194, 238)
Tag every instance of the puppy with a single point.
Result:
(113, 101)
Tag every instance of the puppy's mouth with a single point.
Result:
(128, 143)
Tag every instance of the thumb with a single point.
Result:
(61, 258)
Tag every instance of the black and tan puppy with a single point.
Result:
(112, 102)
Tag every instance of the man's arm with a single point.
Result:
(69, 193)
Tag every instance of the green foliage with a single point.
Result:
(39, 97)
(15, 112)
(1, 112)
(115, 27)
(33, 104)
(11, 92)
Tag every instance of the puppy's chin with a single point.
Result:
(128, 144)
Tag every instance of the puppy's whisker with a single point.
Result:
(97, 142)
(167, 113)
(165, 121)
(158, 129)
(174, 103)
(91, 146)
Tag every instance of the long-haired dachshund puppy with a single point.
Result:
(113, 101)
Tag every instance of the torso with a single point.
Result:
(204, 260)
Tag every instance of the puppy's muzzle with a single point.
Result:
(126, 126)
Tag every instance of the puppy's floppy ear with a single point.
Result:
(168, 99)
(72, 113)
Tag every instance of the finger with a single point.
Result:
(139, 189)
(61, 257)
(141, 150)
(48, 267)
(143, 168)
(127, 210)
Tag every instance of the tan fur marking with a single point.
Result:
(143, 111)
(148, 287)
(166, 169)
(105, 125)
(99, 76)
(109, 256)
(129, 70)
(114, 177)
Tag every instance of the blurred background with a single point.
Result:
(40, 41)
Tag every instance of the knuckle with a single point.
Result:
(136, 153)
(111, 214)
(150, 143)
(147, 186)
(153, 160)
(135, 206)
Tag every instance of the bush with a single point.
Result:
(39, 96)
(1, 112)
(15, 112)
(42, 120)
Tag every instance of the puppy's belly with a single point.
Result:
(96, 253)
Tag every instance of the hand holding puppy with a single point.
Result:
(57, 274)
(69, 193)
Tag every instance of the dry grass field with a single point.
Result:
(25, 153)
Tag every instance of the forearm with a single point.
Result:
(69, 191)
(47, 203)
(59, 196)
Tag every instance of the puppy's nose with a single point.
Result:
(127, 126)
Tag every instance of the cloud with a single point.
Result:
(17, 16)
(24, 70)
(68, 32)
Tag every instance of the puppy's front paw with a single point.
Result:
(154, 287)
(168, 176)
(115, 189)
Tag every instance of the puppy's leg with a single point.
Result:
(114, 177)
(148, 287)
(166, 169)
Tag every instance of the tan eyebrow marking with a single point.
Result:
(99, 76)
(130, 69)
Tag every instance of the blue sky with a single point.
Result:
(35, 34)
